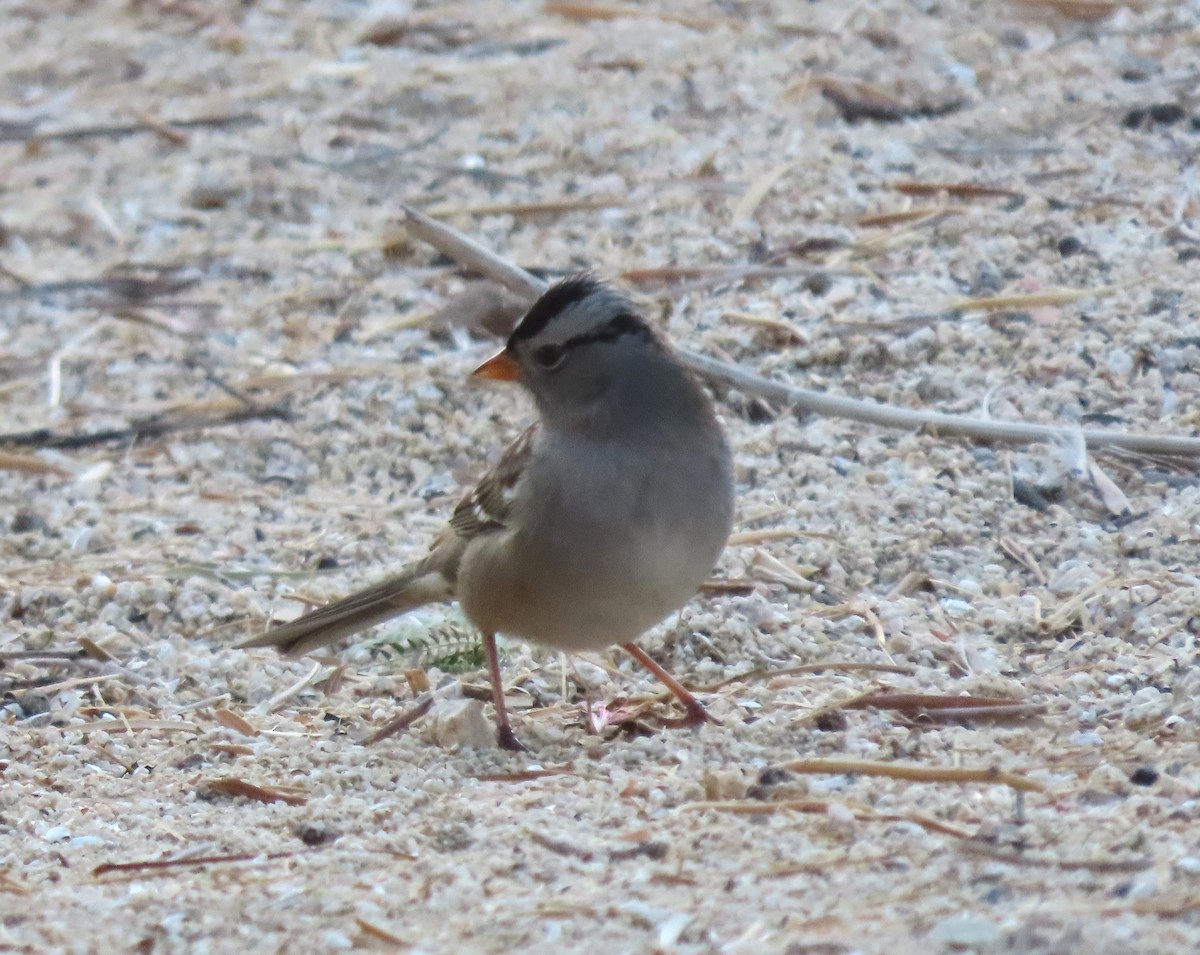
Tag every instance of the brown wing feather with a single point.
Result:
(487, 508)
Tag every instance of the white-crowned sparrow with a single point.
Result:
(596, 523)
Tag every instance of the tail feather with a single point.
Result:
(358, 611)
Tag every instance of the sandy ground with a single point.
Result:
(166, 793)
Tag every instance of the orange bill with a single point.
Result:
(500, 367)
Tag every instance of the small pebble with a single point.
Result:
(1069, 246)
(966, 931)
(1144, 776)
(461, 723)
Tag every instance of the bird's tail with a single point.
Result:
(412, 588)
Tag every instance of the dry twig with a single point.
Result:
(1015, 857)
(942, 708)
(154, 426)
(231, 786)
(616, 11)
(401, 722)
(471, 254)
(152, 864)
(914, 773)
(820, 806)
(29, 133)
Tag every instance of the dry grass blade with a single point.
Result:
(232, 749)
(1172, 906)
(756, 808)
(1021, 554)
(118, 288)
(699, 276)
(914, 773)
(271, 705)
(740, 587)
(129, 726)
(233, 721)
(748, 204)
(154, 427)
(997, 303)
(29, 464)
(959, 190)
(909, 217)
(765, 567)
(371, 930)
(527, 775)
(858, 608)
(614, 11)
(527, 209)
(742, 538)
(979, 848)
(559, 847)
(819, 713)
(820, 806)
(778, 326)
(31, 134)
(153, 864)
(1074, 609)
(102, 671)
(643, 848)
(232, 786)
(1113, 497)
(95, 652)
(165, 131)
(839, 666)
(1005, 713)
(831, 666)
(940, 708)
(929, 825)
(11, 887)
(428, 35)
(887, 700)
(401, 722)
(1086, 10)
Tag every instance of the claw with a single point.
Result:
(508, 740)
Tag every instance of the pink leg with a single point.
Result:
(696, 713)
(504, 733)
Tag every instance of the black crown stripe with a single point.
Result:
(554, 300)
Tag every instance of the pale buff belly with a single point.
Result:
(577, 605)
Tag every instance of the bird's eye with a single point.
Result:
(549, 356)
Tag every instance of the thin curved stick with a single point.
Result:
(470, 253)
